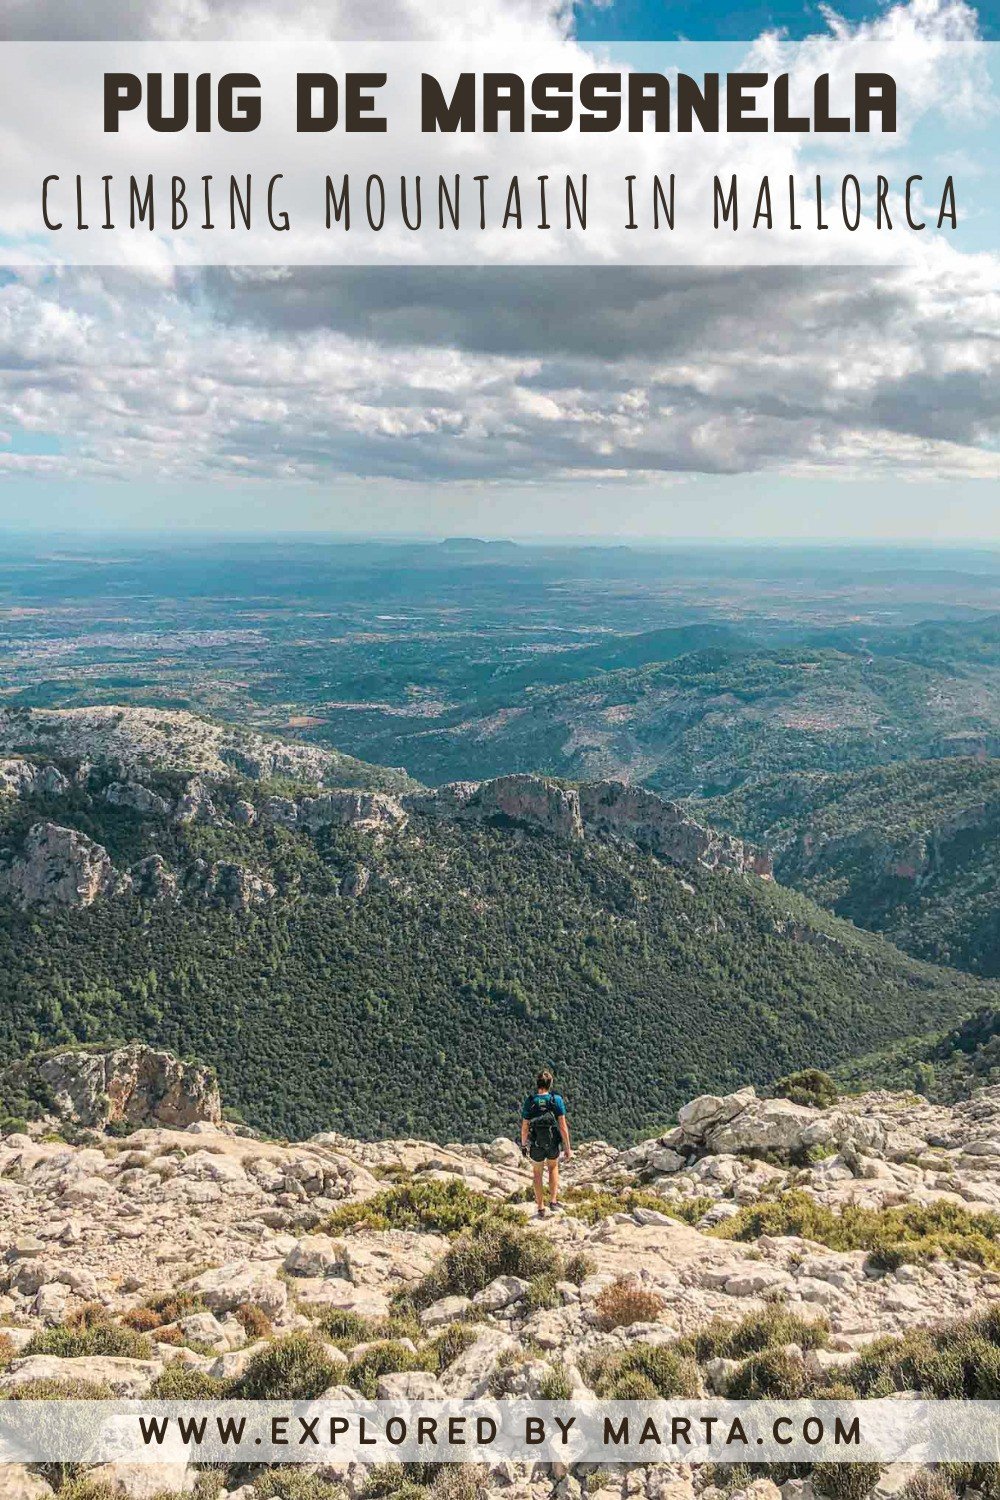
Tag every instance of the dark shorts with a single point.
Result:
(538, 1155)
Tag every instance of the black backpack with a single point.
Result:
(543, 1132)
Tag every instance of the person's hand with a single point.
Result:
(524, 1150)
(568, 1152)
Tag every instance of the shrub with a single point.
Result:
(294, 1482)
(556, 1385)
(384, 1359)
(180, 1382)
(591, 1204)
(98, 1338)
(254, 1320)
(578, 1267)
(772, 1373)
(7, 1350)
(480, 1255)
(449, 1344)
(398, 1481)
(668, 1372)
(142, 1319)
(293, 1368)
(929, 1484)
(542, 1292)
(893, 1236)
(845, 1481)
(810, 1086)
(60, 1390)
(623, 1303)
(446, 1207)
(958, 1360)
(345, 1329)
(771, 1328)
(632, 1387)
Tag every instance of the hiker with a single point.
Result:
(544, 1132)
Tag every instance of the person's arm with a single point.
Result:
(525, 1131)
(564, 1132)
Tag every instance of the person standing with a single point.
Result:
(544, 1133)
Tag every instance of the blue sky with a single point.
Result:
(647, 20)
(786, 403)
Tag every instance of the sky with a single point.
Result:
(636, 402)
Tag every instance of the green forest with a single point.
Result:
(475, 954)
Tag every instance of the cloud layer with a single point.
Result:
(486, 375)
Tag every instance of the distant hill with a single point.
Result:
(386, 965)
(909, 850)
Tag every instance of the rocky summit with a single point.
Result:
(762, 1246)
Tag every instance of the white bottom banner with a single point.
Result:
(566, 1432)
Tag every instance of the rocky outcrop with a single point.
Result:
(742, 1124)
(23, 778)
(615, 809)
(602, 809)
(135, 1084)
(369, 812)
(226, 884)
(137, 798)
(58, 867)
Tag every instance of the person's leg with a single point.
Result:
(554, 1180)
(536, 1174)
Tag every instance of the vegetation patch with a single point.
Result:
(809, 1086)
(644, 1372)
(493, 1248)
(293, 1368)
(386, 1358)
(623, 1303)
(893, 1236)
(444, 1207)
(772, 1328)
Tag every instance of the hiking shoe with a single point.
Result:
(555, 1208)
(541, 1213)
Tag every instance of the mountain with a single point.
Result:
(699, 711)
(909, 850)
(404, 962)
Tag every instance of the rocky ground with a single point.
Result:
(259, 1242)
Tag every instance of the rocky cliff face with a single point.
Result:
(135, 1085)
(58, 867)
(601, 809)
(241, 1227)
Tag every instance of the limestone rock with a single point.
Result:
(139, 798)
(58, 867)
(135, 1084)
(241, 1281)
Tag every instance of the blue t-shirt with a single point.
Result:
(537, 1104)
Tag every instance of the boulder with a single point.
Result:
(135, 1084)
(18, 1482)
(58, 867)
(317, 1255)
(241, 1281)
(127, 1378)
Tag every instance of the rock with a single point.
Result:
(18, 1482)
(153, 880)
(630, 812)
(226, 884)
(446, 1310)
(196, 805)
(140, 1481)
(468, 1376)
(127, 1378)
(58, 867)
(241, 1281)
(133, 795)
(410, 1385)
(500, 1293)
(135, 1084)
(317, 1255)
(532, 801)
(23, 778)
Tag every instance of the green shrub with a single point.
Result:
(294, 1482)
(399, 1481)
(809, 1086)
(345, 1329)
(88, 1340)
(959, 1360)
(768, 1329)
(180, 1382)
(482, 1254)
(556, 1385)
(845, 1481)
(449, 1344)
(446, 1207)
(542, 1292)
(893, 1236)
(772, 1373)
(592, 1205)
(578, 1267)
(384, 1359)
(60, 1390)
(668, 1372)
(293, 1368)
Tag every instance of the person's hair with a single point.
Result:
(544, 1081)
